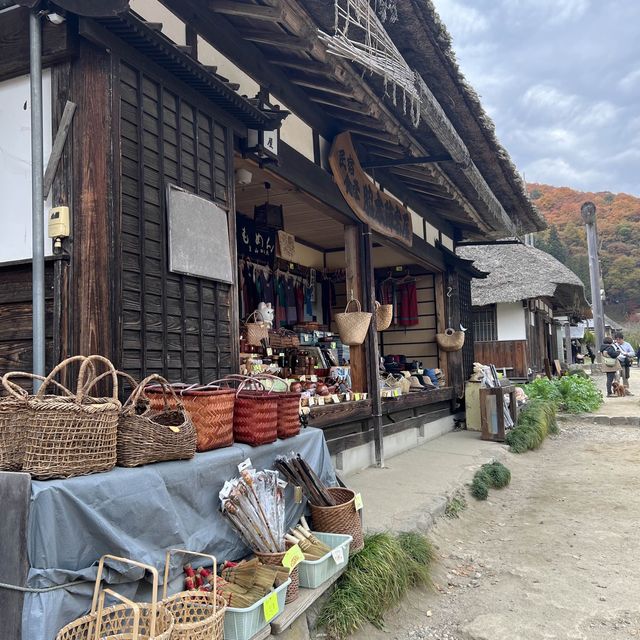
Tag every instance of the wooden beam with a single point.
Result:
(407, 160)
(275, 39)
(351, 117)
(338, 102)
(58, 146)
(324, 87)
(242, 10)
(441, 322)
(354, 288)
(302, 64)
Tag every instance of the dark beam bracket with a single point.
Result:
(401, 162)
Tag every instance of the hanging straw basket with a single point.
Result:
(384, 316)
(154, 435)
(255, 414)
(198, 615)
(450, 340)
(341, 518)
(293, 590)
(73, 435)
(353, 325)
(128, 621)
(210, 408)
(256, 330)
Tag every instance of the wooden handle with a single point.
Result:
(89, 361)
(93, 382)
(63, 365)
(357, 304)
(146, 567)
(191, 553)
(17, 391)
(138, 392)
(134, 607)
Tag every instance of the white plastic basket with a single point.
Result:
(313, 573)
(242, 624)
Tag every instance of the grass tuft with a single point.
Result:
(455, 506)
(492, 475)
(536, 421)
(375, 580)
(479, 488)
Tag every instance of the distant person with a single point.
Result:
(626, 356)
(610, 353)
(638, 356)
(592, 355)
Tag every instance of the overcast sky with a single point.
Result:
(561, 80)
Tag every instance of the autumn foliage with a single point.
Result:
(619, 235)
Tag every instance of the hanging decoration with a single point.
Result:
(359, 36)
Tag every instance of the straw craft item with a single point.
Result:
(198, 615)
(276, 559)
(70, 435)
(154, 435)
(288, 424)
(297, 471)
(353, 325)
(384, 316)
(341, 518)
(450, 340)
(255, 414)
(257, 331)
(312, 548)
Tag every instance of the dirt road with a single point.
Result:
(555, 555)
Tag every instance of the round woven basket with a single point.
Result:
(276, 558)
(353, 325)
(450, 340)
(341, 518)
(384, 315)
(198, 615)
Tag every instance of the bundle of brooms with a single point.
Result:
(246, 582)
(311, 547)
(299, 473)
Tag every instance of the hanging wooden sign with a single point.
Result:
(380, 211)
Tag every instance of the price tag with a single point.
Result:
(356, 396)
(399, 268)
(358, 501)
(347, 397)
(292, 266)
(314, 378)
(175, 429)
(270, 607)
(396, 393)
(293, 558)
(303, 378)
(335, 398)
(320, 402)
(269, 351)
(244, 465)
(338, 555)
(281, 483)
(297, 494)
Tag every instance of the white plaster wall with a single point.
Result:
(447, 242)
(417, 224)
(15, 165)
(432, 234)
(511, 321)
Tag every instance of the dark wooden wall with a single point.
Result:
(505, 353)
(172, 324)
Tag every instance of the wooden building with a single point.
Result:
(172, 93)
(521, 307)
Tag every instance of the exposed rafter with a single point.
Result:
(252, 11)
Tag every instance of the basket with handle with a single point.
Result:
(288, 408)
(127, 621)
(72, 435)
(14, 419)
(384, 316)
(283, 339)
(293, 590)
(155, 435)
(255, 414)
(256, 330)
(210, 407)
(353, 325)
(198, 615)
(450, 340)
(341, 518)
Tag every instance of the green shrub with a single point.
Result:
(494, 475)
(375, 580)
(575, 393)
(536, 421)
(479, 488)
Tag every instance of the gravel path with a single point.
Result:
(553, 556)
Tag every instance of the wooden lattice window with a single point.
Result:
(485, 324)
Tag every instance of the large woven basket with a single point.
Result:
(75, 435)
(450, 340)
(255, 414)
(198, 615)
(288, 424)
(384, 315)
(283, 339)
(293, 590)
(341, 518)
(353, 325)
(128, 621)
(256, 330)
(211, 410)
(154, 435)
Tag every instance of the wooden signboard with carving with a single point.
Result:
(380, 211)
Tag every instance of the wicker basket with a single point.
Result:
(288, 408)
(210, 408)
(74, 435)
(384, 316)
(198, 615)
(255, 414)
(283, 339)
(293, 590)
(341, 518)
(450, 340)
(256, 331)
(154, 435)
(353, 325)
(128, 621)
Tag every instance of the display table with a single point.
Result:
(137, 513)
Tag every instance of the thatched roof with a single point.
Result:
(433, 57)
(520, 272)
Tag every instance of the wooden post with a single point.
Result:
(567, 344)
(441, 322)
(353, 283)
(588, 213)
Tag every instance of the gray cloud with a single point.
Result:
(561, 79)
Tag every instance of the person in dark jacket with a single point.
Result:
(611, 364)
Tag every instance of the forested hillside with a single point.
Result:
(619, 234)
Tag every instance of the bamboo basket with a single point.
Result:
(353, 325)
(450, 340)
(210, 408)
(384, 316)
(154, 435)
(73, 435)
(256, 330)
(283, 339)
(288, 424)
(293, 590)
(127, 621)
(255, 415)
(198, 615)
(341, 518)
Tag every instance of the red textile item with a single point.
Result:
(408, 304)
